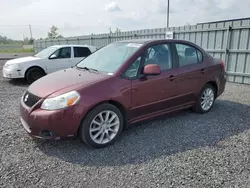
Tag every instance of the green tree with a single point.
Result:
(117, 30)
(53, 34)
(26, 40)
(6, 40)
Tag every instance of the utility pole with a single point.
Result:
(31, 37)
(168, 13)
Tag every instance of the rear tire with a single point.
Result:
(205, 100)
(102, 126)
(34, 74)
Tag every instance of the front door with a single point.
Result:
(152, 94)
(60, 59)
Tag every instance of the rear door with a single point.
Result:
(60, 59)
(153, 94)
(189, 76)
(80, 53)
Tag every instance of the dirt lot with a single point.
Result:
(181, 150)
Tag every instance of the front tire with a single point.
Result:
(34, 74)
(205, 100)
(102, 126)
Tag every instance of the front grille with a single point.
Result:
(29, 99)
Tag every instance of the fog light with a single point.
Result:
(46, 133)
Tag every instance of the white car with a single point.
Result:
(49, 60)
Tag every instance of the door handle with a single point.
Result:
(203, 71)
(171, 77)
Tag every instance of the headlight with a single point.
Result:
(61, 101)
(11, 66)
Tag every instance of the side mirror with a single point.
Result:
(151, 69)
(53, 56)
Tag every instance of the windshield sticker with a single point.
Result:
(134, 45)
(110, 73)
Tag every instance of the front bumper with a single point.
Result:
(55, 124)
(12, 73)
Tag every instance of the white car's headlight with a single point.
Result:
(11, 66)
(61, 101)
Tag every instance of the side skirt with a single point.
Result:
(162, 112)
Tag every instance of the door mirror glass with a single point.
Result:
(151, 69)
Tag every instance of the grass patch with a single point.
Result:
(17, 50)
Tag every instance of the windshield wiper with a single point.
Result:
(88, 69)
(85, 68)
(94, 70)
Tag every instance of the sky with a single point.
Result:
(81, 17)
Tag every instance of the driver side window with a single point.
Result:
(61, 53)
(159, 54)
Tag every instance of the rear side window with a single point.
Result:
(188, 55)
(81, 52)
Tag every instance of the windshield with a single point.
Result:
(46, 52)
(109, 58)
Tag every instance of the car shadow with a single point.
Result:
(153, 139)
(19, 82)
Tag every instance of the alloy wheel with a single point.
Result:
(207, 99)
(104, 127)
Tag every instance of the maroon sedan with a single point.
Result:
(121, 84)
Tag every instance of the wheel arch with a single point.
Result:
(116, 104)
(215, 86)
(34, 66)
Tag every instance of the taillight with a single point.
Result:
(223, 65)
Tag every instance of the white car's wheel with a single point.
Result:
(34, 74)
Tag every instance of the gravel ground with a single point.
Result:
(180, 150)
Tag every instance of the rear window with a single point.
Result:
(81, 52)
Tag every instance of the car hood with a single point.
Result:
(63, 81)
(22, 60)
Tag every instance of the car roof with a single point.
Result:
(69, 45)
(140, 41)
(146, 41)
